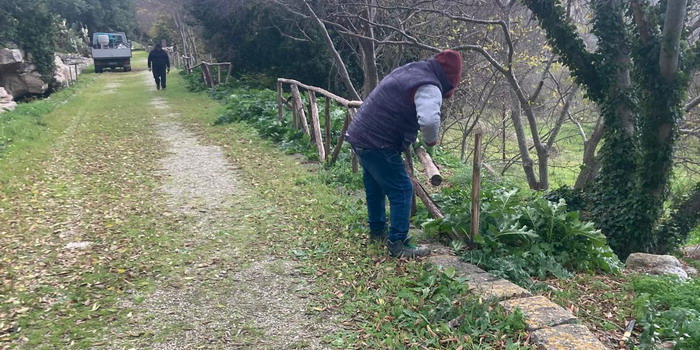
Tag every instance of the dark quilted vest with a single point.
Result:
(387, 117)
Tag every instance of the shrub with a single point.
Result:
(525, 236)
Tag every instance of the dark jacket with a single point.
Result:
(387, 117)
(158, 59)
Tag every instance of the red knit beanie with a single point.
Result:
(451, 63)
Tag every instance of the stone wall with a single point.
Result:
(19, 77)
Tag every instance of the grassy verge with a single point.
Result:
(27, 125)
(88, 177)
(385, 303)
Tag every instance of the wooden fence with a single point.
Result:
(208, 70)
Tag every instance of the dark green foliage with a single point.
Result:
(32, 26)
(641, 110)
(668, 310)
(99, 15)
(685, 217)
(574, 198)
(193, 81)
(248, 34)
(525, 236)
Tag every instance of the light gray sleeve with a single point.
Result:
(428, 100)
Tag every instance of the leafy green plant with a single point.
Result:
(436, 310)
(668, 310)
(525, 236)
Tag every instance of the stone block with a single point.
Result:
(656, 264)
(539, 312)
(497, 289)
(566, 337)
(463, 268)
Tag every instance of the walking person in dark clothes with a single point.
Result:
(405, 101)
(159, 61)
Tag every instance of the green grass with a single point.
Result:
(87, 175)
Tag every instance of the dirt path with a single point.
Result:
(127, 230)
(235, 296)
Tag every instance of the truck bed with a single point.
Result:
(111, 53)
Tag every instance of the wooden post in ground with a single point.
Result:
(279, 101)
(355, 162)
(228, 72)
(70, 77)
(206, 72)
(327, 116)
(410, 170)
(295, 118)
(218, 74)
(316, 124)
(341, 138)
(299, 106)
(476, 184)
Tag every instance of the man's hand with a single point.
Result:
(149, 69)
(168, 72)
(428, 149)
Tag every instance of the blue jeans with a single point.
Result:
(384, 176)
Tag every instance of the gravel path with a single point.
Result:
(234, 296)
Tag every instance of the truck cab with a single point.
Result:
(111, 50)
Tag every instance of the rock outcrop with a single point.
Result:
(19, 77)
(656, 264)
(7, 102)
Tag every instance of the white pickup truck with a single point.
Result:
(111, 50)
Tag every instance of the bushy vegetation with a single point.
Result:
(524, 235)
(668, 310)
(254, 35)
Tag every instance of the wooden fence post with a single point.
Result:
(341, 138)
(313, 107)
(279, 100)
(355, 162)
(228, 72)
(476, 184)
(299, 106)
(206, 72)
(410, 170)
(327, 116)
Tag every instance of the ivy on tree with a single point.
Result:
(638, 78)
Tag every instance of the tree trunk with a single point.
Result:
(528, 164)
